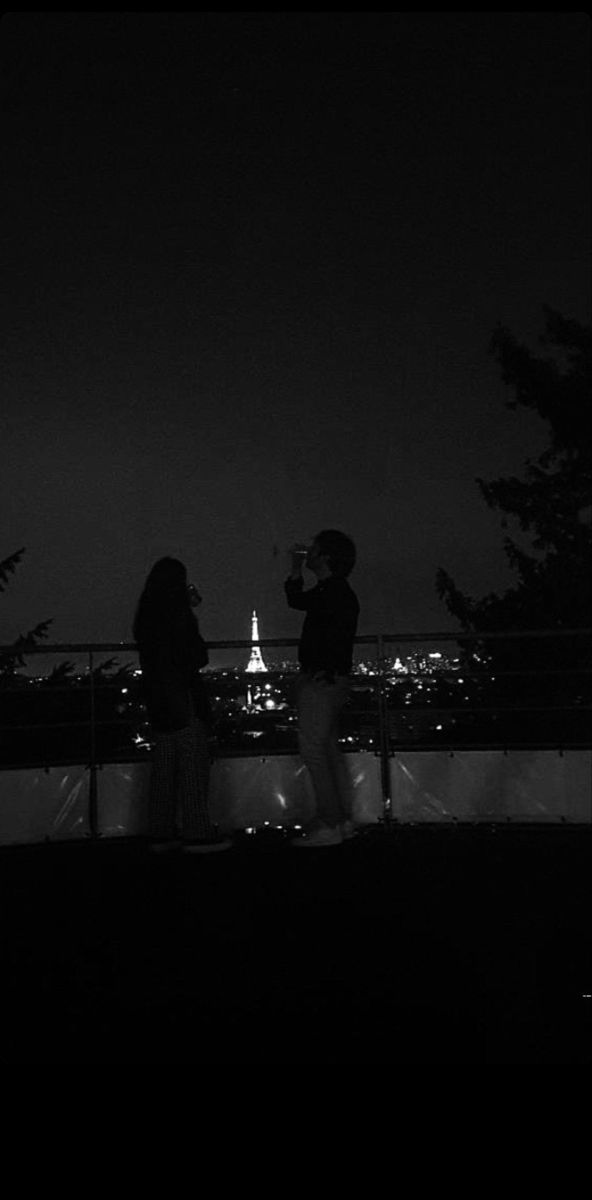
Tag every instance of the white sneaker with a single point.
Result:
(324, 836)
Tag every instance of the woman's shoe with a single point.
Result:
(162, 847)
(206, 846)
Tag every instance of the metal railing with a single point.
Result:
(392, 720)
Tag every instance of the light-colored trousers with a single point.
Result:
(319, 705)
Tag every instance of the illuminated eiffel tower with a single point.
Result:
(256, 661)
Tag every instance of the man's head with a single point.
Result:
(331, 553)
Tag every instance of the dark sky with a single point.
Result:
(252, 265)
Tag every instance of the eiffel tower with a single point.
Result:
(256, 661)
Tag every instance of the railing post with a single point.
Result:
(385, 773)
(92, 789)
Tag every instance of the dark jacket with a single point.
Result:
(173, 690)
(332, 612)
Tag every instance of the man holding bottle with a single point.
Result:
(325, 656)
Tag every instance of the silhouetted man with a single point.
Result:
(325, 657)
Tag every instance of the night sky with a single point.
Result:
(252, 263)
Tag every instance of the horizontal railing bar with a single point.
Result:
(480, 637)
(40, 725)
(122, 647)
(59, 690)
(466, 711)
(443, 746)
(80, 683)
(391, 712)
(246, 643)
(503, 674)
(506, 746)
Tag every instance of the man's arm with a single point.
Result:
(295, 594)
(294, 584)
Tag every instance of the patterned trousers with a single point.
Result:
(179, 778)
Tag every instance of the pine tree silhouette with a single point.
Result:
(9, 662)
(552, 503)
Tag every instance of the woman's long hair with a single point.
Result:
(164, 604)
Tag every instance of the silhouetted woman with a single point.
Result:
(172, 653)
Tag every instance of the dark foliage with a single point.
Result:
(552, 503)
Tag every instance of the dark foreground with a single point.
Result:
(438, 945)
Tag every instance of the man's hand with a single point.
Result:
(298, 552)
